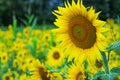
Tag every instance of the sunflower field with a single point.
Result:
(77, 46)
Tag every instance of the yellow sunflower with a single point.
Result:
(79, 30)
(46, 35)
(95, 67)
(7, 75)
(4, 57)
(38, 71)
(16, 63)
(26, 31)
(55, 57)
(75, 72)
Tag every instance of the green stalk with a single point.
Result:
(14, 26)
(105, 62)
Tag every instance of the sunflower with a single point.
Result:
(38, 71)
(79, 30)
(55, 57)
(15, 63)
(75, 72)
(4, 57)
(26, 31)
(46, 35)
(7, 75)
(19, 35)
(95, 67)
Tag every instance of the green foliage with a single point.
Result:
(114, 46)
(42, 9)
(98, 75)
(14, 26)
(30, 21)
(115, 70)
(110, 76)
(105, 62)
(32, 49)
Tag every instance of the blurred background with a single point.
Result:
(42, 10)
(26, 39)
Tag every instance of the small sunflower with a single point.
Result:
(79, 30)
(26, 31)
(55, 57)
(99, 64)
(38, 71)
(20, 55)
(19, 35)
(46, 36)
(4, 57)
(95, 67)
(16, 63)
(75, 72)
(8, 75)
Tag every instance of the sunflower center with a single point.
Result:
(43, 73)
(30, 61)
(56, 55)
(16, 63)
(98, 64)
(79, 76)
(4, 57)
(82, 32)
(7, 78)
(78, 31)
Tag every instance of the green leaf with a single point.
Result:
(31, 19)
(105, 62)
(98, 74)
(29, 73)
(32, 50)
(48, 67)
(117, 50)
(14, 26)
(114, 46)
(34, 22)
(115, 70)
(24, 22)
(118, 20)
(85, 64)
(110, 76)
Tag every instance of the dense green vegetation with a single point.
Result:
(42, 9)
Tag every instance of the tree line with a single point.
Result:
(42, 9)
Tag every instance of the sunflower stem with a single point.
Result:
(105, 62)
